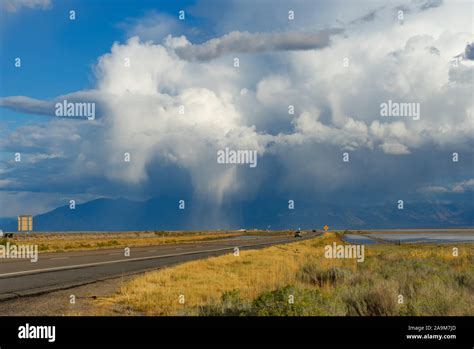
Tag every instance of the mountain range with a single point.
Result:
(163, 213)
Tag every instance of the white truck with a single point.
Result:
(5, 235)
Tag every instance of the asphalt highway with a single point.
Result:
(63, 270)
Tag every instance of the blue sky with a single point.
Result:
(336, 63)
(51, 45)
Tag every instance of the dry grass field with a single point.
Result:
(64, 242)
(261, 282)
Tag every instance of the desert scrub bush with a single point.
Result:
(377, 300)
(360, 278)
(462, 262)
(410, 283)
(395, 269)
(43, 247)
(107, 243)
(305, 302)
(440, 302)
(315, 275)
(231, 304)
(465, 279)
(437, 297)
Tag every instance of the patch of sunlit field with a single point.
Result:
(392, 280)
(94, 241)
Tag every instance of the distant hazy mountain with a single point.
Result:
(164, 214)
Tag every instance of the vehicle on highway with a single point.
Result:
(298, 234)
(5, 235)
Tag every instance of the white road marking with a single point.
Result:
(57, 258)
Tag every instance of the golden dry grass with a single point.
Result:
(94, 241)
(203, 282)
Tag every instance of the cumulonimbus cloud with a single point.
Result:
(336, 107)
(245, 42)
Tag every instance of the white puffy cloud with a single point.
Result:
(144, 116)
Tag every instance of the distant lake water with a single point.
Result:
(358, 239)
(412, 238)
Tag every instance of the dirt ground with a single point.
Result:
(58, 303)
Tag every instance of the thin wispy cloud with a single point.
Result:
(245, 42)
(13, 6)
